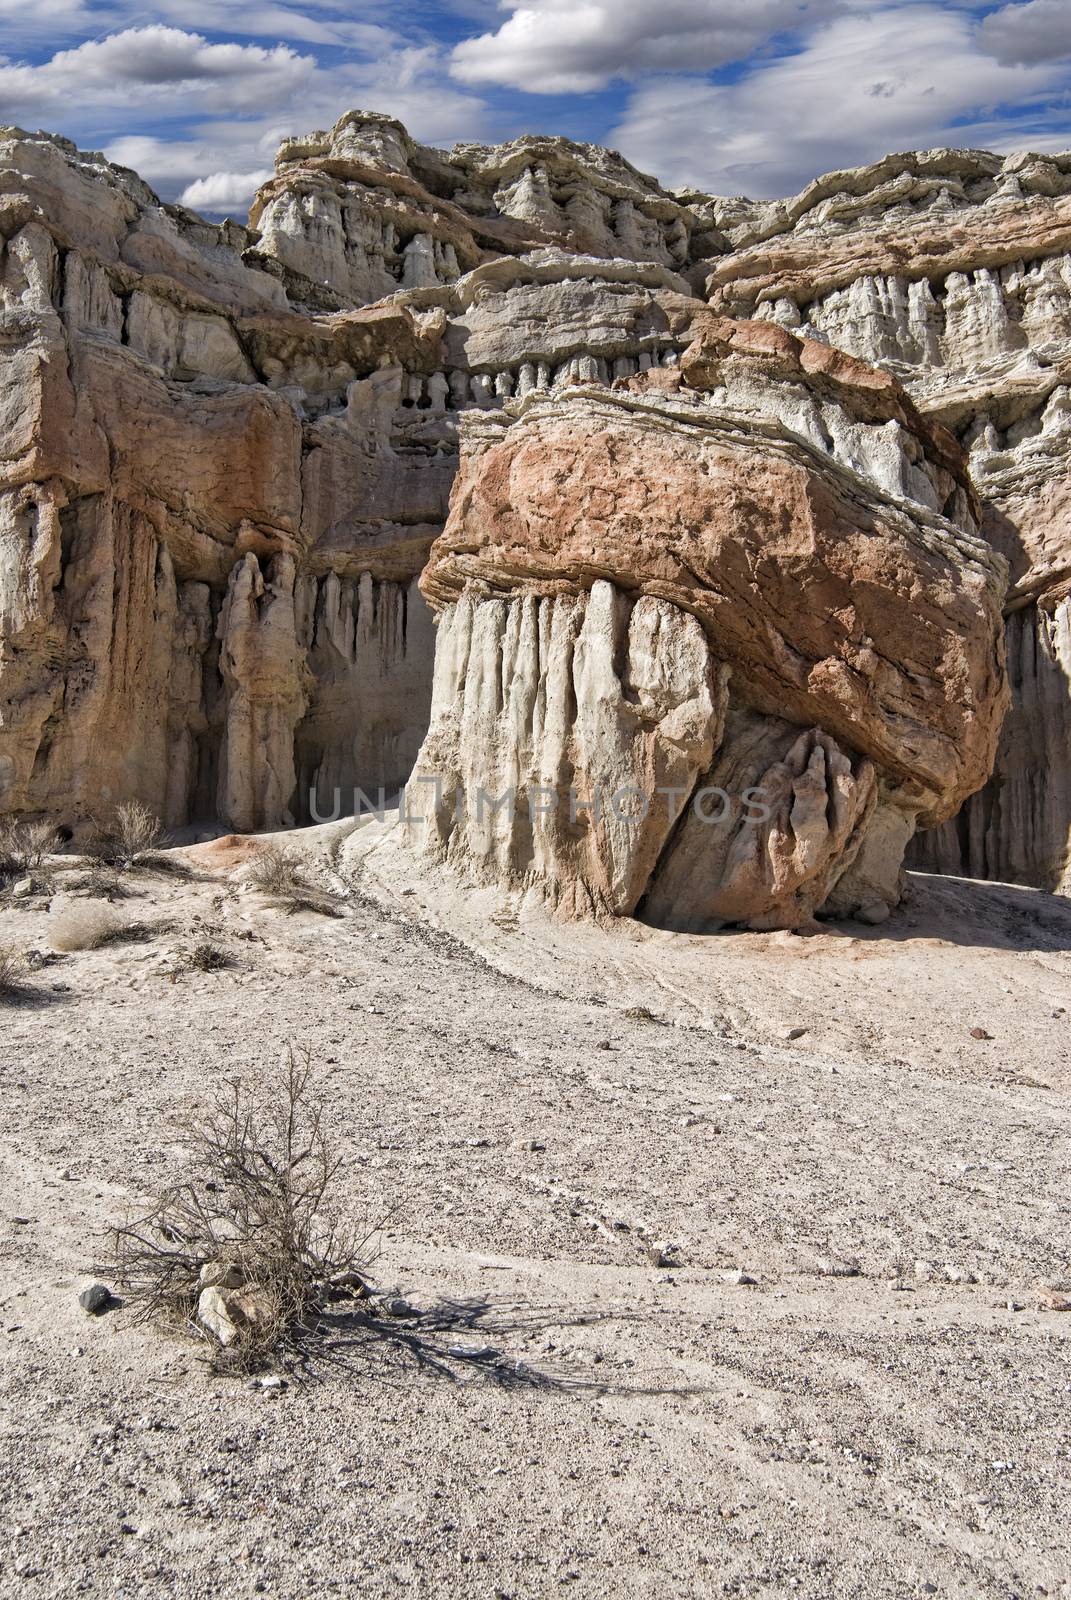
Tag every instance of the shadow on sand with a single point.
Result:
(967, 911)
(464, 1341)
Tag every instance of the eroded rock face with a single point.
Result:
(221, 469)
(179, 397)
(788, 507)
(952, 269)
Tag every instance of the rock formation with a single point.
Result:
(952, 269)
(226, 451)
(757, 577)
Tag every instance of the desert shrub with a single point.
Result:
(208, 957)
(134, 838)
(277, 874)
(97, 882)
(243, 1252)
(13, 967)
(274, 871)
(24, 846)
(83, 925)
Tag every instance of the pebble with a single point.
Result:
(95, 1299)
(738, 1277)
(663, 1255)
(980, 1033)
(834, 1267)
(397, 1307)
(959, 1275)
(795, 1033)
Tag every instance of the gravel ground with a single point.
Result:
(535, 1107)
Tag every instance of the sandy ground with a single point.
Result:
(563, 1415)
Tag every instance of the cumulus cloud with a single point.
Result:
(896, 78)
(224, 191)
(353, 24)
(1038, 31)
(575, 46)
(150, 67)
(227, 104)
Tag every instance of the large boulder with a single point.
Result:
(759, 578)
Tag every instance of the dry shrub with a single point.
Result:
(13, 967)
(99, 882)
(208, 957)
(24, 848)
(132, 839)
(277, 874)
(248, 1225)
(274, 871)
(85, 926)
(81, 927)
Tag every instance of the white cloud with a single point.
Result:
(348, 24)
(1038, 31)
(162, 67)
(574, 46)
(908, 77)
(229, 104)
(224, 191)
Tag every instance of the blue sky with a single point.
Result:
(730, 96)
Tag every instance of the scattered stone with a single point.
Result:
(397, 1307)
(641, 1014)
(795, 1033)
(980, 1033)
(959, 1275)
(1054, 1297)
(23, 889)
(873, 914)
(21, 1222)
(662, 1254)
(221, 1275)
(924, 1270)
(738, 1277)
(95, 1299)
(213, 1310)
(274, 1382)
(836, 1267)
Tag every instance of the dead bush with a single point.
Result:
(277, 874)
(243, 1252)
(13, 967)
(274, 871)
(24, 848)
(97, 882)
(83, 925)
(208, 957)
(133, 839)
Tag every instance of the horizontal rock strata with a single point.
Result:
(180, 398)
(827, 635)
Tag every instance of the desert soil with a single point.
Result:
(536, 1106)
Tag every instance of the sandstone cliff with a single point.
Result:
(226, 451)
(757, 576)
